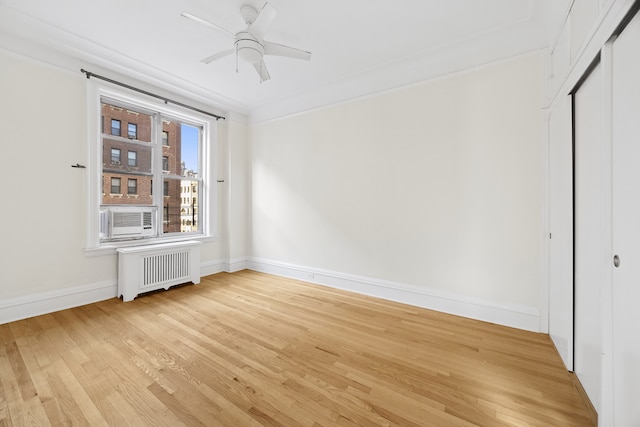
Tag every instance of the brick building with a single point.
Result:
(127, 162)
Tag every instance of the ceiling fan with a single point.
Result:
(249, 44)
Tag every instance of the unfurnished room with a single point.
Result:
(337, 213)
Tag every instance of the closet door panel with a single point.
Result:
(561, 231)
(589, 255)
(626, 225)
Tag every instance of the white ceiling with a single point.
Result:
(359, 47)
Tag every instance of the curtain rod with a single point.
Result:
(166, 100)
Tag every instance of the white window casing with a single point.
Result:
(96, 91)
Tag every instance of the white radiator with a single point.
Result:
(148, 268)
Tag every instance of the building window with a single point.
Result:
(155, 171)
(132, 158)
(132, 131)
(115, 127)
(132, 186)
(115, 156)
(115, 185)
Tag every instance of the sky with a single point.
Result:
(189, 136)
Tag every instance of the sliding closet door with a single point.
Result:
(626, 225)
(561, 231)
(589, 253)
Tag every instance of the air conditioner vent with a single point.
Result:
(127, 219)
(147, 220)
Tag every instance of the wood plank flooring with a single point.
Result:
(249, 349)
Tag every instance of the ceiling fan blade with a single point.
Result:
(217, 56)
(263, 21)
(207, 23)
(287, 51)
(261, 68)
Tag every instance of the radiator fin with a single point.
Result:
(161, 268)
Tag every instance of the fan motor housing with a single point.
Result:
(248, 47)
(249, 14)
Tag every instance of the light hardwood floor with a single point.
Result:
(250, 349)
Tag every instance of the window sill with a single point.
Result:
(110, 248)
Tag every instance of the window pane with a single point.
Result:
(172, 205)
(189, 150)
(132, 186)
(115, 156)
(115, 127)
(132, 131)
(165, 163)
(189, 210)
(165, 137)
(137, 167)
(115, 185)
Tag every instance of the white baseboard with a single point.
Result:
(23, 307)
(223, 265)
(213, 267)
(47, 302)
(521, 317)
(237, 264)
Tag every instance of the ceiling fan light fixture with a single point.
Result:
(249, 49)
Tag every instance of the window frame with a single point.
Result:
(119, 127)
(97, 90)
(134, 158)
(118, 186)
(129, 186)
(135, 131)
(115, 151)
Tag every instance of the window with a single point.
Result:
(155, 171)
(115, 156)
(132, 186)
(115, 185)
(132, 158)
(132, 131)
(115, 127)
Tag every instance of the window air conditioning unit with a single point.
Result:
(129, 221)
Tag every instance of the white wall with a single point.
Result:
(237, 182)
(435, 186)
(43, 117)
